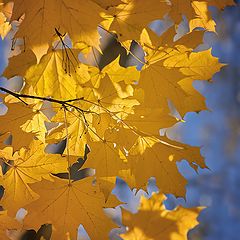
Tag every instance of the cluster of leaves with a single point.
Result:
(113, 113)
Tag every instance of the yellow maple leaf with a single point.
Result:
(6, 7)
(156, 47)
(4, 26)
(27, 166)
(169, 72)
(77, 128)
(159, 84)
(5, 13)
(115, 72)
(19, 64)
(194, 65)
(196, 12)
(106, 158)
(203, 18)
(7, 223)
(66, 205)
(12, 122)
(152, 43)
(150, 156)
(37, 125)
(129, 18)
(51, 78)
(79, 19)
(150, 120)
(180, 8)
(114, 98)
(161, 223)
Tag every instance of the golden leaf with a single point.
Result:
(45, 16)
(52, 76)
(27, 166)
(161, 223)
(66, 205)
(129, 18)
(4, 26)
(7, 223)
(12, 122)
(203, 18)
(150, 156)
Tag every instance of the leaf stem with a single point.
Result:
(67, 145)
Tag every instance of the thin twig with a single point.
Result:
(61, 102)
(67, 145)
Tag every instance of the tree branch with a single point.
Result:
(61, 102)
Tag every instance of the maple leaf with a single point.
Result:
(5, 13)
(203, 18)
(7, 223)
(115, 72)
(37, 125)
(195, 65)
(129, 18)
(52, 78)
(158, 158)
(114, 99)
(150, 120)
(27, 166)
(180, 8)
(169, 72)
(44, 17)
(161, 223)
(105, 158)
(4, 26)
(75, 132)
(156, 46)
(159, 84)
(19, 64)
(114, 155)
(12, 122)
(6, 8)
(196, 12)
(66, 205)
